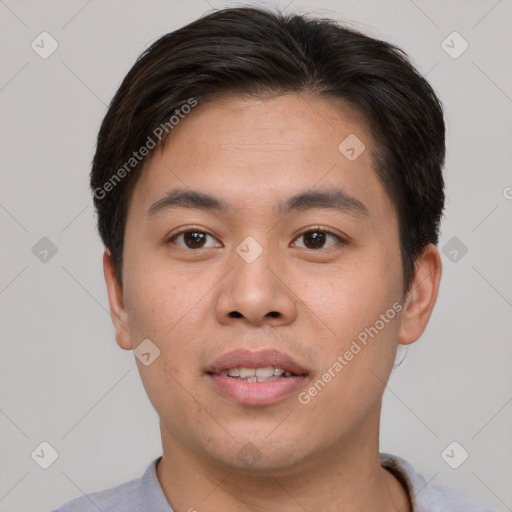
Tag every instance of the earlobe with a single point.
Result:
(116, 301)
(422, 296)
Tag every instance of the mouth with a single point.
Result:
(256, 378)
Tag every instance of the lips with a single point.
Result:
(256, 393)
(259, 359)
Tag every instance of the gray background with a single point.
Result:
(62, 377)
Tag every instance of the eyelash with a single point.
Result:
(314, 229)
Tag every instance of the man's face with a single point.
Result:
(304, 281)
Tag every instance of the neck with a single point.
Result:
(347, 478)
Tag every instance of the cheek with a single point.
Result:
(168, 308)
(161, 311)
(158, 299)
(356, 365)
(350, 296)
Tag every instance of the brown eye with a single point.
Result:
(316, 239)
(192, 239)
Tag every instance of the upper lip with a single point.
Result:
(256, 359)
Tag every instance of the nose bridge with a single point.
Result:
(252, 263)
(250, 250)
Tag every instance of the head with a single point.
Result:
(314, 149)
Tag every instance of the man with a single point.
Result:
(269, 191)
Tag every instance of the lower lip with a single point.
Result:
(256, 393)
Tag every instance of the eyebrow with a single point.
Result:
(332, 199)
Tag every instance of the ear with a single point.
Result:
(422, 296)
(118, 311)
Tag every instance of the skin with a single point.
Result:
(254, 152)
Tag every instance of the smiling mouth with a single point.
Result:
(256, 378)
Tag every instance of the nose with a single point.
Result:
(255, 290)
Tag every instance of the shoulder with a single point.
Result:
(426, 496)
(126, 497)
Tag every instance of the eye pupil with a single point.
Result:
(317, 238)
(194, 238)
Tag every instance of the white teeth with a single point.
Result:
(267, 371)
(262, 374)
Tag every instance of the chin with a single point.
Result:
(257, 453)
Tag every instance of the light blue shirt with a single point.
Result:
(145, 494)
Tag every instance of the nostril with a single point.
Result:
(236, 314)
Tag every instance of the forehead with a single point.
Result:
(252, 151)
(277, 124)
